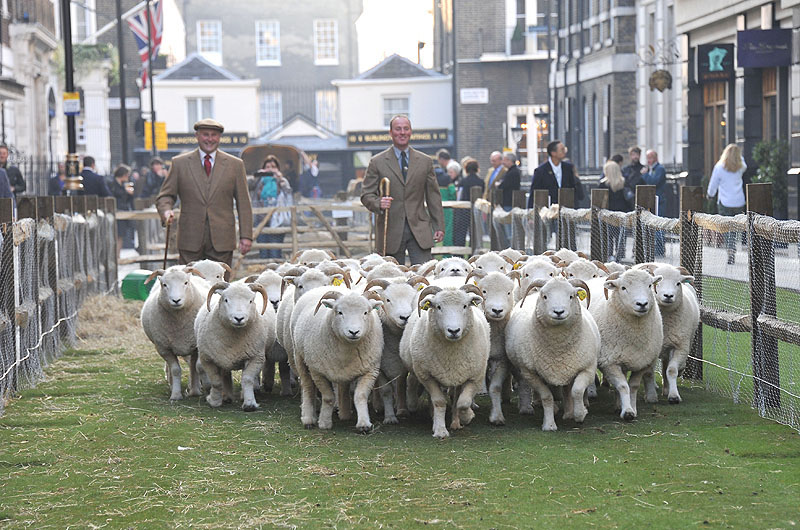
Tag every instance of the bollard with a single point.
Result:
(599, 245)
(691, 201)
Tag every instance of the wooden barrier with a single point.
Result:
(645, 200)
(541, 232)
(566, 231)
(599, 235)
(691, 200)
(518, 200)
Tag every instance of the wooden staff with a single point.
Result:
(166, 244)
(385, 187)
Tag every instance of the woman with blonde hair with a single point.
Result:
(613, 180)
(726, 183)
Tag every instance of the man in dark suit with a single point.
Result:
(416, 217)
(93, 184)
(555, 174)
(510, 180)
(15, 179)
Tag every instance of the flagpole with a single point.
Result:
(123, 110)
(150, 78)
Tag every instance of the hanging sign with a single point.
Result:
(72, 103)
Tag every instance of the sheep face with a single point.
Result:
(175, 284)
(399, 299)
(310, 279)
(272, 283)
(559, 302)
(237, 305)
(450, 311)
(491, 262)
(582, 270)
(351, 319)
(537, 269)
(669, 292)
(498, 295)
(633, 290)
(452, 267)
(212, 271)
(312, 257)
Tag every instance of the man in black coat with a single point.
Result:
(555, 174)
(510, 181)
(15, 179)
(93, 184)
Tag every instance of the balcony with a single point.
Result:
(40, 12)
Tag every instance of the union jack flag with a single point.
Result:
(138, 24)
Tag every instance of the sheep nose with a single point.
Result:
(497, 312)
(404, 318)
(642, 305)
(453, 332)
(558, 312)
(353, 333)
(275, 304)
(668, 296)
(175, 301)
(239, 320)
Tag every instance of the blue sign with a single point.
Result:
(764, 48)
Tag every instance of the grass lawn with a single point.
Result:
(99, 444)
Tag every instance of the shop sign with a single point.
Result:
(714, 63)
(764, 48)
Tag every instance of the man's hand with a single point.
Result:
(645, 170)
(438, 236)
(169, 217)
(386, 203)
(244, 246)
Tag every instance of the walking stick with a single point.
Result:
(385, 187)
(166, 245)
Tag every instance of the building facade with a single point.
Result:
(497, 53)
(733, 95)
(294, 57)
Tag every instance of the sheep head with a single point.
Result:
(350, 317)
(452, 267)
(633, 291)
(176, 286)
(497, 290)
(450, 310)
(559, 301)
(669, 293)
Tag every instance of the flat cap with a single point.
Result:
(208, 123)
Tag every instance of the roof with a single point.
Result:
(397, 67)
(196, 67)
(302, 133)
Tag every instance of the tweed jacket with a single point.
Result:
(487, 188)
(416, 200)
(208, 197)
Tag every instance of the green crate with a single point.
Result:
(133, 286)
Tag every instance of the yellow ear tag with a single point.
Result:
(517, 266)
(421, 286)
(475, 282)
(581, 295)
(337, 282)
(476, 303)
(426, 305)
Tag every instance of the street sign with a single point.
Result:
(161, 136)
(72, 103)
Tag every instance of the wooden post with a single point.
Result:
(475, 193)
(645, 200)
(766, 373)
(566, 231)
(26, 207)
(6, 210)
(518, 200)
(79, 204)
(691, 201)
(496, 198)
(294, 230)
(45, 207)
(112, 263)
(64, 205)
(599, 246)
(541, 229)
(7, 302)
(91, 203)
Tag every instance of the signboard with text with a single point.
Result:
(161, 136)
(764, 48)
(184, 141)
(474, 96)
(382, 138)
(714, 63)
(72, 103)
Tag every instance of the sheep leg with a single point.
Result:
(227, 392)
(672, 376)
(402, 408)
(650, 388)
(174, 375)
(525, 397)
(361, 399)
(194, 378)
(465, 400)
(506, 389)
(249, 383)
(497, 386)
(548, 422)
(578, 410)
(635, 381)
(205, 382)
(412, 392)
(268, 376)
(328, 399)
(286, 379)
(615, 376)
(591, 390)
(345, 402)
(215, 377)
(308, 393)
(387, 396)
(439, 403)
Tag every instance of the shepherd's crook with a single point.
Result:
(385, 188)
(166, 244)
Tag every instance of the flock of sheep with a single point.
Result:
(355, 331)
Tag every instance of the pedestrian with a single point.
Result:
(726, 183)
(633, 171)
(614, 182)
(555, 173)
(15, 178)
(122, 191)
(415, 215)
(207, 181)
(654, 174)
(273, 190)
(5, 187)
(448, 192)
(496, 172)
(309, 183)
(93, 184)
(462, 218)
(508, 183)
(154, 179)
(55, 185)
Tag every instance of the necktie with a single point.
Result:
(404, 164)
(207, 165)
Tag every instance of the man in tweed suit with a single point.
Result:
(416, 217)
(207, 181)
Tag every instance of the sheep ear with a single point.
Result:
(514, 275)
(610, 285)
(376, 304)
(688, 279)
(476, 300)
(424, 304)
(337, 279)
(153, 274)
(657, 279)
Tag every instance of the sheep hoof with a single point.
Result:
(250, 407)
(390, 420)
(267, 389)
(195, 392)
(213, 401)
(497, 422)
(580, 418)
(528, 411)
(549, 428)
(441, 434)
(674, 400)
(286, 393)
(402, 413)
(364, 429)
(176, 397)
(227, 399)
(651, 398)
(629, 415)
(308, 425)
(466, 416)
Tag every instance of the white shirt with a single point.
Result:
(556, 170)
(729, 185)
(203, 159)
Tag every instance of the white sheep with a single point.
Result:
(680, 316)
(448, 346)
(338, 346)
(583, 269)
(276, 353)
(312, 257)
(212, 271)
(399, 303)
(233, 334)
(511, 253)
(451, 267)
(629, 321)
(491, 262)
(497, 290)
(555, 341)
(168, 321)
(535, 268)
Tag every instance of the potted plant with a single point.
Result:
(772, 157)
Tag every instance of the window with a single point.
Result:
(209, 40)
(327, 109)
(197, 109)
(271, 110)
(769, 104)
(268, 43)
(393, 105)
(326, 42)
